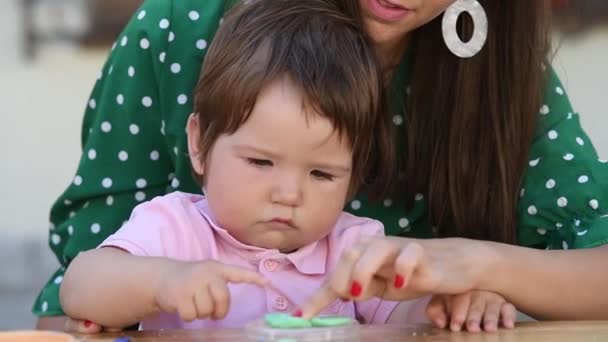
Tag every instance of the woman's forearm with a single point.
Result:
(550, 285)
(111, 287)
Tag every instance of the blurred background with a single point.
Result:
(51, 54)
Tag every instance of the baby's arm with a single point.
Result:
(410, 312)
(116, 289)
(474, 311)
(112, 287)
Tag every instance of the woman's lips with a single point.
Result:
(386, 10)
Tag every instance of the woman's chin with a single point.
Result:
(383, 34)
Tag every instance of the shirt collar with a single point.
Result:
(310, 259)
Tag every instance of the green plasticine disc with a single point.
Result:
(330, 321)
(285, 321)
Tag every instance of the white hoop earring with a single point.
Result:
(480, 28)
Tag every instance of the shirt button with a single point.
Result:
(281, 303)
(271, 265)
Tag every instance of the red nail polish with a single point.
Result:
(297, 313)
(87, 323)
(355, 289)
(399, 281)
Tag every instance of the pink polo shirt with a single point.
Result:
(180, 226)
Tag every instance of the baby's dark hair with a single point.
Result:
(324, 53)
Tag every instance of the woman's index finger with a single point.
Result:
(321, 299)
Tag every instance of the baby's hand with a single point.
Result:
(198, 290)
(470, 309)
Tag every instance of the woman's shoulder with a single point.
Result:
(198, 10)
(556, 105)
(178, 18)
(564, 191)
(203, 8)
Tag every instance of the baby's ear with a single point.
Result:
(194, 144)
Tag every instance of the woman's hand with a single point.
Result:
(397, 268)
(474, 311)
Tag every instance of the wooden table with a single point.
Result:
(526, 332)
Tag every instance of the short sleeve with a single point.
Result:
(349, 231)
(564, 197)
(168, 226)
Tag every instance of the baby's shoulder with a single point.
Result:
(176, 208)
(351, 227)
(176, 200)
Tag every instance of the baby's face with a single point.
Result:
(281, 180)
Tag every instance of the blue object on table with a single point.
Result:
(122, 339)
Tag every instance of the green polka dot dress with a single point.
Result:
(134, 148)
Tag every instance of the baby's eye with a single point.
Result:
(259, 162)
(322, 175)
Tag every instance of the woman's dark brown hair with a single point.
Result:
(470, 122)
(323, 52)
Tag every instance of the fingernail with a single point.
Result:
(355, 289)
(491, 326)
(87, 323)
(473, 326)
(440, 323)
(399, 281)
(455, 327)
(297, 313)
